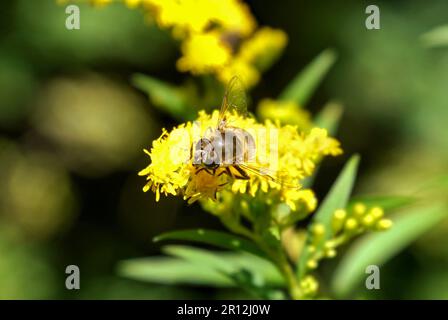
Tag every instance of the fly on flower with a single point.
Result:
(229, 149)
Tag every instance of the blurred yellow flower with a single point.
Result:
(248, 73)
(132, 4)
(288, 112)
(184, 16)
(217, 37)
(100, 3)
(197, 16)
(232, 15)
(203, 53)
(263, 48)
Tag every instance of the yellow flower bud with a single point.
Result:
(309, 285)
(318, 231)
(377, 212)
(313, 287)
(351, 224)
(244, 206)
(338, 220)
(329, 244)
(311, 264)
(384, 224)
(311, 249)
(368, 220)
(330, 253)
(359, 209)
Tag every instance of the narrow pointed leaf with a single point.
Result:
(227, 263)
(337, 198)
(193, 266)
(164, 96)
(173, 271)
(217, 238)
(437, 37)
(388, 203)
(305, 83)
(329, 117)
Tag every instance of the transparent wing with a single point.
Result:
(272, 175)
(234, 101)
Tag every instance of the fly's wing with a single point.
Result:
(272, 175)
(234, 101)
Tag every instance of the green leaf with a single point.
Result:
(337, 198)
(305, 83)
(165, 96)
(172, 271)
(378, 248)
(217, 238)
(193, 266)
(256, 286)
(388, 203)
(329, 117)
(226, 262)
(437, 37)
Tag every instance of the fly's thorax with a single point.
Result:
(238, 146)
(228, 146)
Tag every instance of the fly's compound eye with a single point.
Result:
(205, 153)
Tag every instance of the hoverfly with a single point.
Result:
(227, 149)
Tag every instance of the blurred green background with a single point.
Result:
(72, 130)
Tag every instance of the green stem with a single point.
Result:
(293, 285)
(277, 257)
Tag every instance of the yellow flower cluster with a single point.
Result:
(293, 157)
(255, 55)
(345, 225)
(288, 112)
(218, 37)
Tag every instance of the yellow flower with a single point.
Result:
(184, 16)
(263, 48)
(196, 16)
(288, 112)
(203, 53)
(295, 197)
(168, 172)
(233, 15)
(203, 185)
(287, 154)
(248, 73)
(256, 54)
(217, 37)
